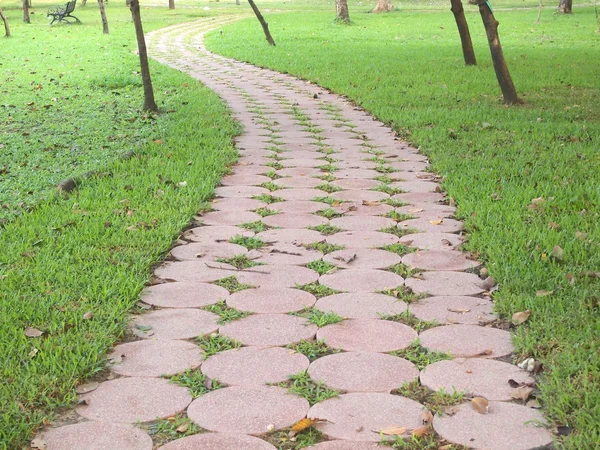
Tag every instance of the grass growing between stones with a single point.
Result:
(321, 267)
(399, 249)
(257, 226)
(408, 318)
(232, 284)
(318, 317)
(318, 290)
(167, 430)
(307, 438)
(196, 382)
(324, 247)
(326, 229)
(400, 232)
(420, 356)
(404, 293)
(251, 243)
(239, 262)
(302, 385)
(313, 349)
(226, 314)
(216, 343)
(435, 401)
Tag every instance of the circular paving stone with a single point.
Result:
(271, 301)
(229, 217)
(454, 310)
(215, 234)
(355, 164)
(468, 341)
(199, 251)
(297, 207)
(286, 254)
(218, 441)
(475, 376)
(254, 366)
(247, 410)
(355, 173)
(302, 154)
(132, 400)
(345, 445)
(269, 330)
(298, 172)
(184, 295)
(176, 324)
(97, 436)
(291, 236)
(359, 195)
(293, 220)
(362, 372)
(302, 162)
(409, 166)
(361, 280)
(361, 239)
(362, 223)
(240, 191)
(377, 209)
(446, 283)
(362, 258)
(153, 358)
(276, 277)
(416, 186)
(426, 226)
(367, 335)
(236, 204)
(506, 425)
(297, 182)
(361, 305)
(194, 271)
(244, 180)
(432, 241)
(439, 260)
(356, 183)
(420, 197)
(359, 416)
(427, 210)
(253, 169)
(300, 194)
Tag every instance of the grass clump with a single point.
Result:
(271, 186)
(329, 213)
(329, 200)
(400, 232)
(265, 212)
(390, 190)
(251, 243)
(398, 217)
(318, 290)
(216, 343)
(318, 317)
(329, 188)
(268, 199)
(326, 229)
(404, 293)
(256, 226)
(435, 401)
(232, 284)
(226, 314)
(239, 262)
(167, 430)
(307, 438)
(324, 247)
(403, 270)
(327, 177)
(313, 349)
(398, 249)
(394, 202)
(320, 266)
(302, 385)
(408, 318)
(327, 168)
(196, 382)
(420, 356)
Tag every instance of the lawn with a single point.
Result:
(526, 179)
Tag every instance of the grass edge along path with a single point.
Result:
(525, 179)
(75, 265)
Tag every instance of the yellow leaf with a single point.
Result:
(369, 203)
(436, 222)
(392, 431)
(521, 393)
(520, 317)
(182, 428)
(480, 405)
(421, 431)
(303, 424)
(543, 293)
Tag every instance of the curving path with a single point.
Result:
(335, 201)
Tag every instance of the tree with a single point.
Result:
(5, 20)
(171, 4)
(383, 6)
(341, 11)
(463, 30)
(103, 16)
(565, 6)
(265, 25)
(26, 11)
(149, 103)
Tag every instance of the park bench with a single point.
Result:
(61, 12)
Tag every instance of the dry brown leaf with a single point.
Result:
(34, 351)
(182, 428)
(392, 431)
(33, 332)
(480, 405)
(581, 235)
(370, 203)
(421, 431)
(543, 293)
(418, 210)
(558, 252)
(38, 443)
(88, 387)
(521, 316)
(553, 225)
(488, 283)
(533, 403)
(459, 310)
(88, 315)
(521, 393)
(427, 417)
(302, 425)
(436, 222)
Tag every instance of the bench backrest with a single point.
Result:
(70, 7)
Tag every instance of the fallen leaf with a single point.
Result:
(520, 317)
(581, 235)
(413, 211)
(488, 283)
(302, 425)
(143, 305)
(182, 428)
(38, 443)
(436, 222)
(33, 352)
(446, 242)
(158, 141)
(521, 393)
(392, 431)
(533, 403)
(543, 293)
(553, 225)
(88, 387)
(33, 332)
(421, 431)
(88, 315)
(558, 252)
(427, 417)
(458, 310)
(480, 404)
(370, 203)
(270, 427)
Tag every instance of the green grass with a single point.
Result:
(326, 229)
(318, 290)
(324, 247)
(232, 284)
(398, 249)
(216, 343)
(408, 318)
(256, 226)
(251, 243)
(239, 261)
(264, 212)
(302, 385)
(317, 317)
(313, 349)
(226, 314)
(420, 356)
(435, 401)
(167, 430)
(329, 213)
(320, 266)
(400, 232)
(196, 382)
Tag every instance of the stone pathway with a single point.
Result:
(338, 220)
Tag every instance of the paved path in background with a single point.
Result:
(356, 199)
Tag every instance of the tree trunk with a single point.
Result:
(171, 4)
(539, 13)
(149, 103)
(463, 30)
(265, 25)
(383, 6)
(5, 20)
(565, 6)
(103, 16)
(504, 79)
(26, 12)
(341, 11)
(83, 2)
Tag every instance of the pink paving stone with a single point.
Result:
(218, 441)
(215, 234)
(132, 400)
(410, 166)
(355, 173)
(446, 283)
(505, 426)
(359, 416)
(476, 377)
(195, 271)
(297, 206)
(346, 445)
(302, 154)
(254, 366)
(298, 162)
(358, 209)
(367, 335)
(96, 436)
(298, 182)
(356, 183)
(240, 191)
(229, 217)
(420, 197)
(360, 195)
(236, 204)
(184, 295)
(362, 258)
(300, 194)
(271, 301)
(153, 358)
(362, 239)
(454, 310)
(176, 323)
(361, 280)
(247, 410)
(468, 341)
(252, 169)
(286, 254)
(269, 330)
(432, 241)
(277, 276)
(426, 225)
(416, 186)
(355, 164)
(362, 223)
(293, 220)
(439, 260)
(361, 305)
(427, 211)
(298, 172)
(198, 251)
(291, 236)
(362, 371)
(244, 180)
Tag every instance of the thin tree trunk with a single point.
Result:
(265, 25)
(383, 6)
(171, 4)
(463, 30)
(103, 16)
(341, 11)
(83, 2)
(539, 13)
(565, 6)
(149, 103)
(5, 20)
(26, 12)
(504, 79)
